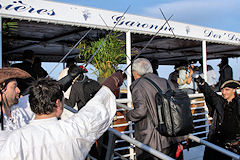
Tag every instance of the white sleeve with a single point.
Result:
(9, 148)
(3, 138)
(96, 116)
(182, 75)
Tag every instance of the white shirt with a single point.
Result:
(21, 114)
(63, 139)
(3, 137)
(183, 75)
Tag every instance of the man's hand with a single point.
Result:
(75, 70)
(199, 80)
(114, 81)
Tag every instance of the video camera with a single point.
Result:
(186, 65)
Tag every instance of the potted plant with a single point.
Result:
(109, 56)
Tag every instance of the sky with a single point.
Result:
(219, 14)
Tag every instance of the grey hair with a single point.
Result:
(142, 66)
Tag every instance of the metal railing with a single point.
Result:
(113, 133)
(200, 140)
(126, 138)
(140, 145)
(215, 147)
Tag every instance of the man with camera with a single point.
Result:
(185, 81)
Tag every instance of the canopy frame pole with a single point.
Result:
(128, 72)
(129, 82)
(204, 59)
(204, 65)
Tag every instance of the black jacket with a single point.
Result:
(82, 92)
(225, 125)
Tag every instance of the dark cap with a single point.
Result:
(231, 84)
(224, 61)
(70, 61)
(28, 54)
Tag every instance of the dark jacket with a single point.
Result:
(143, 96)
(173, 78)
(225, 125)
(82, 92)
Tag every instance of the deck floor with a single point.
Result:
(195, 153)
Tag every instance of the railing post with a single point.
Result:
(110, 146)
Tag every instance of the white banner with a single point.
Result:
(40, 10)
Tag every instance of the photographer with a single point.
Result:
(185, 81)
(225, 110)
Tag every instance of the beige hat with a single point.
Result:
(11, 72)
(231, 84)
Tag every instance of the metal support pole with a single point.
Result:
(1, 57)
(128, 71)
(110, 146)
(204, 59)
(204, 65)
(129, 82)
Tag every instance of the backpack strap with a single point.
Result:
(168, 86)
(154, 85)
(157, 88)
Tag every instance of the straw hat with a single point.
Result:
(11, 72)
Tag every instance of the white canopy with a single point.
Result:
(49, 27)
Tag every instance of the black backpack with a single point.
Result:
(173, 112)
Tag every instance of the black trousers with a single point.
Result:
(170, 151)
(210, 154)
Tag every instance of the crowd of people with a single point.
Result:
(182, 79)
(32, 127)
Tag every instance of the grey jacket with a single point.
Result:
(143, 96)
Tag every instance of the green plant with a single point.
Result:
(109, 56)
(8, 29)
